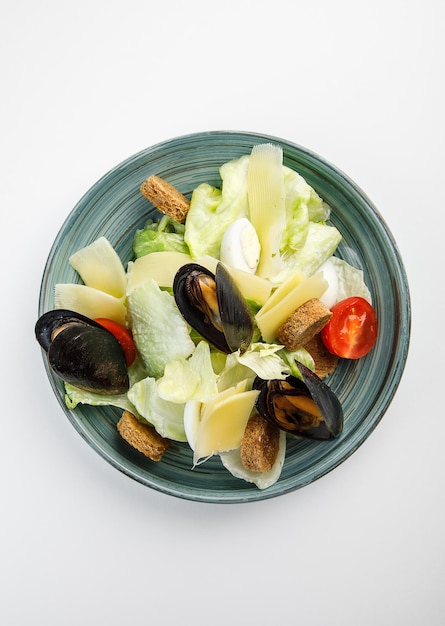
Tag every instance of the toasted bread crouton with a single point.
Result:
(166, 198)
(325, 361)
(260, 444)
(303, 324)
(143, 437)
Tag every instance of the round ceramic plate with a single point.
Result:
(115, 208)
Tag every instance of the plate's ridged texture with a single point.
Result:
(114, 207)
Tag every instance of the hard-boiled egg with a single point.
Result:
(240, 246)
(192, 417)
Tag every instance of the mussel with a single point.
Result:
(307, 408)
(82, 352)
(213, 305)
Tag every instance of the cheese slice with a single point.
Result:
(90, 302)
(252, 287)
(223, 423)
(160, 266)
(265, 191)
(100, 267)
(270, 320)
(283, 290)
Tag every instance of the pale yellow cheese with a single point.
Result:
(269, 321)
(160, 266)
(89, 302)
(223, 423)
(252, 287)
(265, 191)
(283, 290)
(100, 267)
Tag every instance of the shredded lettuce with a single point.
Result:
(301, 355)
(233, 373)
(321, 243)
(167, 417)
(165, 235)
(159, 330)
(300, 193)
(350, 281)
(264, 360)
(75, 396)
(306, 240)
(189, 379)
(213, 210)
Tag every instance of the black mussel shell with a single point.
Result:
(82, 352)
(233, 328)
(235, 314)
(52, 320)
(89, 358)
(306, 408)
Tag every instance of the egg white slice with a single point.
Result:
(240, 246)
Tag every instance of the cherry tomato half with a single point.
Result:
(123, 336)
(352, 330)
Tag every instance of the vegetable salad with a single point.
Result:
(179, 383)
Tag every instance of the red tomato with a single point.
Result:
(352, 330)
(123, 335)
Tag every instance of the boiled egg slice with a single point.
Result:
(240, 246)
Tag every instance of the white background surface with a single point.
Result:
(85, 85)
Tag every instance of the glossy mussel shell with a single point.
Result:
(82, 352)
(306, 408)
(213, 305)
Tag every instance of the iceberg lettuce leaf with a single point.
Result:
(159, 330)
(189, 379)
(350, 281)
(164, 235)
(301, 355)
(75, 396)
(264, 360)
(167, 417)
(213, 210)
(321, 243)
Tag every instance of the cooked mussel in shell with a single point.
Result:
(213, 305)
(306, 408)
(82, 352)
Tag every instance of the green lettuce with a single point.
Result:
(350, 281)
(321, 243)
(303, 205)
(264, 360)
(159, 330)
(189, 379)
(165, 235)
(307, 241)
(213, 210)
(301, 355)
(167, 417)
(75, 396)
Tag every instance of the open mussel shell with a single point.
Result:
(51, 321)
(82, 352)
(213, 305)
(306, 408)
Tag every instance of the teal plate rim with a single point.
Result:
(366, 387)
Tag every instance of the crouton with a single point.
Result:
(141, 436)
(166, 198)
(260, 444)
(325, 361)
(303, 324)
